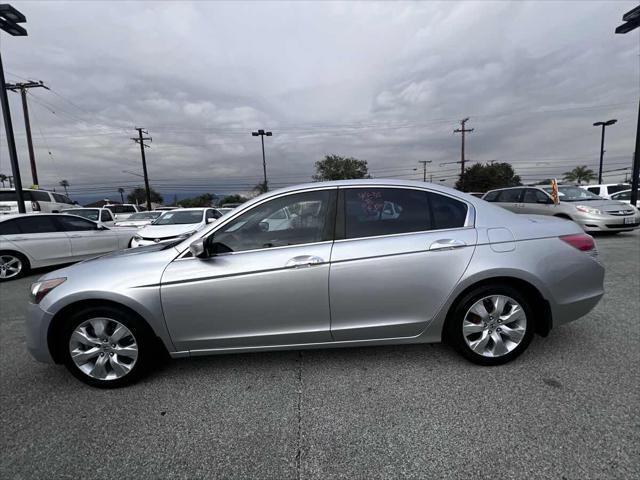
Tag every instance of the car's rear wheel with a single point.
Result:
(491, 325)
(106, 347)
(12, 265)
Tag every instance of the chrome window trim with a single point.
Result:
(468, 223)
(217, 226)
(182, 256)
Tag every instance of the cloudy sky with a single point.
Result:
(384, 82)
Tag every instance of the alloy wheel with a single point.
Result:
(10, 266)
(103, 348)
(494, 326)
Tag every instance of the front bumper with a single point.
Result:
(37, 329)
(145, 241)
(608, 223)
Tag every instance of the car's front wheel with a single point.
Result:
(491, 325)
(106, 347)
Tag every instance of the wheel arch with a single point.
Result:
(563, 215)
(539, 304)
(58, 320)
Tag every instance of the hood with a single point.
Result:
(167, 231)
(133, 223)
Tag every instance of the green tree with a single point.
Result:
(483, 177)
(335, 167)
(579, 174)
(262, 187)
(139, 196)
(64, 184)
(203, 200)
(3, 178)
(233, 199)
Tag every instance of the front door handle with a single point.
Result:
(304, 261)
(75, 236)
(447, 244)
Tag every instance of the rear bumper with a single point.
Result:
(37, 328)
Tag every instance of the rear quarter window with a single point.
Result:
(491, 196)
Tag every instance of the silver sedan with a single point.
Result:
(362, 262)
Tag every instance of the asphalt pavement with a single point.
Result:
(566, 409)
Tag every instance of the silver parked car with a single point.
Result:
(445, 265)
(43, 239)
(591, 212)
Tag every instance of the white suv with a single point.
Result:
(605, 190)
(122, 211)
(34, 201)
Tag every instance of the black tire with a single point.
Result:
(453, 329)
(142, 336)
(26, 267)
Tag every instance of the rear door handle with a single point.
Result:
(447, 244)
(304, 261)
(75, 236)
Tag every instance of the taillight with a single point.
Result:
(35, 206)
(581, 241)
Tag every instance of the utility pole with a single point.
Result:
(424, 169)
(9, 20)
(262, 133)
(140, 140)
(23, 87)
(603, 125)
(462, 130)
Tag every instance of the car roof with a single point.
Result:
(190, 209)
(33, 214)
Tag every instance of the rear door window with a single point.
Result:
(512, 195)
(37, 224)
(10, 227)
(372, 212)
(75, 224)
(105, 216)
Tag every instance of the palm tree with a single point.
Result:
(64, 184)
(580, 174)
(121, 192)
(3, 178)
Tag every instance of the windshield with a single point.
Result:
(145, 216)
(88, 213)
(573, 194)
(179, 218)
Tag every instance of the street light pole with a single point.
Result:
(261, 133)
(9, 19)
(603, 125)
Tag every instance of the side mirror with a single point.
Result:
(197, 248)
(211, 220)
(263, 226)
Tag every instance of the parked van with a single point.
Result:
(34, 201)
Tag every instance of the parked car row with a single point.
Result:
(591, 212)
(32, 241)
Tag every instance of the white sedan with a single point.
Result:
(39, 240)
(174, 225)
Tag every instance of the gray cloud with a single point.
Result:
(385, 82)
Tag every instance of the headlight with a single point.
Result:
(40, 289)
(188, 234)
(137, 237)
(585, 209)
